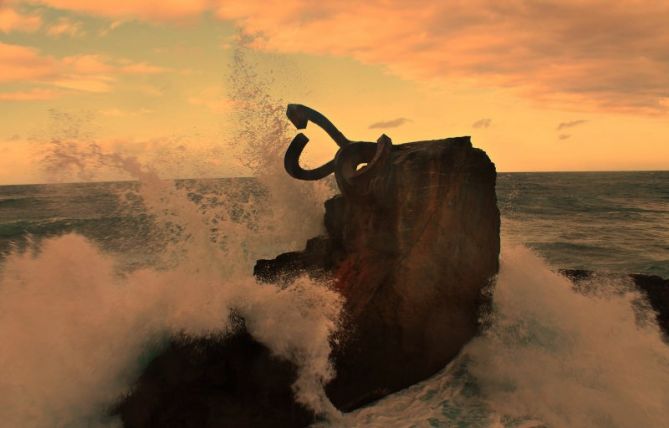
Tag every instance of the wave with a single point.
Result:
(80, 332)
(77, 323)
(551, 357)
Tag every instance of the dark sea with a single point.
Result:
(604, 221)
(95, 276)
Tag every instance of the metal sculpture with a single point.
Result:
(352, 181)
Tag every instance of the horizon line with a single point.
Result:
(251, 176)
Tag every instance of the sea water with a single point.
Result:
(606, 221)
(95, 276)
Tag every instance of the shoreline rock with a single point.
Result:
(412, 245)
(412, 256)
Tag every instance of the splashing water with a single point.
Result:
(74, 326)
(551, 357)
(73, 329)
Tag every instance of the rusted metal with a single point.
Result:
(350, 155)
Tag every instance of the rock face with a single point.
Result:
(412, 244)
(412, 254)
(232, 382)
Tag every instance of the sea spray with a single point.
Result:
(260, 137)
(70, 299)
(73, 329)
(552, 356)
(567, 358)
(75, 324)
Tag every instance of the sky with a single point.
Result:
(539, 85)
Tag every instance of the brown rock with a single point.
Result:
(412, 246)
(413, 257)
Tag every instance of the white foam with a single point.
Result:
(552, 357)
(73, 326)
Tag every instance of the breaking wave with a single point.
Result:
(552, 357)
(77, 323)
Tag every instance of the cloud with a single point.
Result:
(87, 64)
(66, 27)
(11, 20)
(567, 125)
(157, 10)
(111, 27)
(36, 94)
(587, 54)
(20, 63)
(212, 99)
(94, 84)
(393, 123)
(149, 90)
(142, 68)
(116, 112)
(482, 123)
(571, 124)
(88, 73)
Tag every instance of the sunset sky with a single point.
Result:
(540, 85)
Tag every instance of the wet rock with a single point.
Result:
(412, 245)
(206, 382)
(413, 253)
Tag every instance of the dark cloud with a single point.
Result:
(482, 123)
(394, 123)
(570, 124)
(564, 136)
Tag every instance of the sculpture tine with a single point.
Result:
(348, 157)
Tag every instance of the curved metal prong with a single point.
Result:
(291, 161)
(300, 115)
(356, 182)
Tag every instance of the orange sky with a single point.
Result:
(540, 85)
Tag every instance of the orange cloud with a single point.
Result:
(37, 94)
(116, 112)
(20, 63)
(142, 68)
(88, 73)
(597, 54)
(611, 55)
(143, 9)
(66, 27)
(87, 64)
(83, 83)
(11, 20)
(212, 98)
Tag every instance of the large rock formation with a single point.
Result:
(412, 243)
(412, 253)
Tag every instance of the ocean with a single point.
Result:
(605, 221)
(95, 276)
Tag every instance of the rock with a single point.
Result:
(412, 245)
(654, 288)
(205, 382)
(413, 256)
